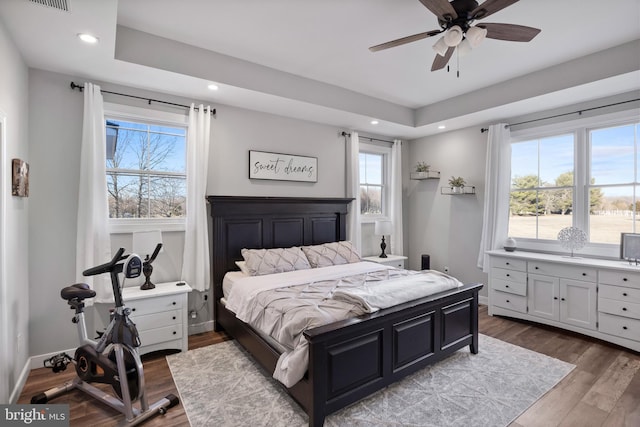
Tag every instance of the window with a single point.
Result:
(146, 168)
(374, 175)
(583, 174)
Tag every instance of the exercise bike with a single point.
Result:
(114, 358)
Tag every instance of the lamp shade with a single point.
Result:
(476, 35)
(383, 227)
(144, 242)
(453, 36)
(440, 47)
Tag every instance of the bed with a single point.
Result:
(348, 359)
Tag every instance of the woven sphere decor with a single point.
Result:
(572, 239)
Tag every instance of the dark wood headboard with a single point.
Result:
(270, 222)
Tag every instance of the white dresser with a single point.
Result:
(599, 298)
(392, 260)
(160, 315)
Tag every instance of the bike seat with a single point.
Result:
(79, 291)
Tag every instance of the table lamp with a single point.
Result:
(383, 227)
(145, 243)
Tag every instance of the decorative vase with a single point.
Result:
(510, 244)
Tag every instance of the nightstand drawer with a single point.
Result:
(585, 274)
(155, 304)
(620, 278)
(509, 301)
(620, 326)
(511, 287)
(157, 320)
(158, 335)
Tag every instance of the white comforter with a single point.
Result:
(284, 305)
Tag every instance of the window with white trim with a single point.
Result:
(582, 174)
(146, 167)
(375, 170)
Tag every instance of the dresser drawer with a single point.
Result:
(620, 293)
(620, 278)
(509, 301)
(157, 320)
(620, 308)
(154, 305)
(567, 271)
(158, 335)
(511, 287)
(620, 326)
(509, 275)
(509, 263)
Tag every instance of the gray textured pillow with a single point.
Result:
(268, 261)
(334, 253)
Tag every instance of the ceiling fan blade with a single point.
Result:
(404, 40)
(510, 32)
(440, 61)
(441, 8)
(489, 7)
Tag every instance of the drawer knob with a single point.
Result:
(536, 267)
(624, 327)
(507, 263)
(584, 274)
(562, 299)
(174, 303)
(174, 332)
(624, 308)
(624, 279)
(174, 317)
(506, 286)
(133, 309)
(508, 275)
(624, 294)
(555, 298)
(508, 301)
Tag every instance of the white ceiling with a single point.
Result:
(310, 59)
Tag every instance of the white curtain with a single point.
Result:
(195, 263)
(93, 245)
(497, 186)
(354, 229)
(397, 242)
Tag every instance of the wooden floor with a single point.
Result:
(603, 389)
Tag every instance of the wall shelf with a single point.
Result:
(458, 191)
(425, 175)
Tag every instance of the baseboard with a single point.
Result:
(483, 300)
(199, 328)
(22, 380)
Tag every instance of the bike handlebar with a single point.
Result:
(106, 267)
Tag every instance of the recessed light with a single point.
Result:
(374, 122)
(442, 127)
(88, 38)
(212, 86)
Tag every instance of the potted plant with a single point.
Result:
(422, 171)
(457, 184)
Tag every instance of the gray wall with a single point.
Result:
(448, 228)
(14, 287)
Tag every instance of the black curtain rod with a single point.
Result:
(366, 137)
(149, 100)
(579, 112)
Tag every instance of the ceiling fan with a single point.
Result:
(456, 20)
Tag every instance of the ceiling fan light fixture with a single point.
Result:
(453, 36)
(440, 47)
(464, 47)
(476, 35)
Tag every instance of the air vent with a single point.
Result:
(55, 4)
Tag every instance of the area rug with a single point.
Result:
(220, 385)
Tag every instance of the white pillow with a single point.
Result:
(242, 265)
(334, 253)
(279, 260)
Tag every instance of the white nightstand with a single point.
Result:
(392, 260)
(160, 315)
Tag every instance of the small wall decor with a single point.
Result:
(424, 171)
(282, 167)
(20, 181)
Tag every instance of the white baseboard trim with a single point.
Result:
(199, 328)
(22, 380)
(483, 300)
(38, 361)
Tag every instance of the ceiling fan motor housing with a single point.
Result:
(463, 9)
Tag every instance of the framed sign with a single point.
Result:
(282, 167)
